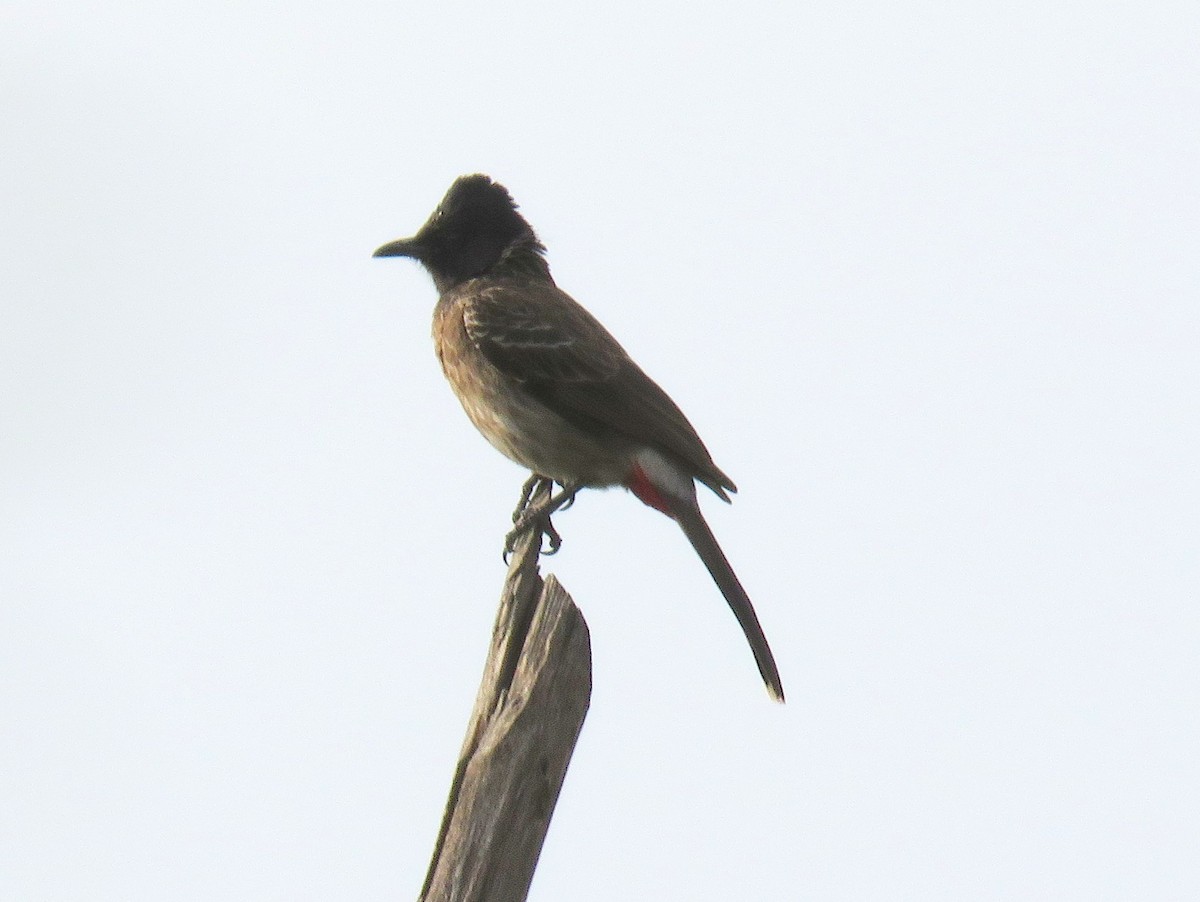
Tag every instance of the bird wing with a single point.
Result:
(540, 337)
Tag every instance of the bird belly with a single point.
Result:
(526, 431)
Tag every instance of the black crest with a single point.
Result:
(473, 229)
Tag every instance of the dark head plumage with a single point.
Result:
(474, 230)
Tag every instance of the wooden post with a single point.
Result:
(534, 696)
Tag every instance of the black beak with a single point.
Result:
(404, 247)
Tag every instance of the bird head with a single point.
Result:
(472, 230)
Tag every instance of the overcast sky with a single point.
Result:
(924, 276)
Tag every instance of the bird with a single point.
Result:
(550, 388)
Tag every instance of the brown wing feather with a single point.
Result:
(563, 356)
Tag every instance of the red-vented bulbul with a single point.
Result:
(551, 389)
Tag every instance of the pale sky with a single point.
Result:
(924, 277)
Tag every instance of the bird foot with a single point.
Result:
(548, 530)
(528, 516)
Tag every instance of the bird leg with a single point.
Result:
(527, 490)
(529, 515)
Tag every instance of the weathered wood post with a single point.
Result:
(536, 687)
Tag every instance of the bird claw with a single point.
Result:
(554, 539)
(528, 516)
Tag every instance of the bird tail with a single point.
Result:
(687, 514)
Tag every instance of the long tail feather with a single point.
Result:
(692, 522)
